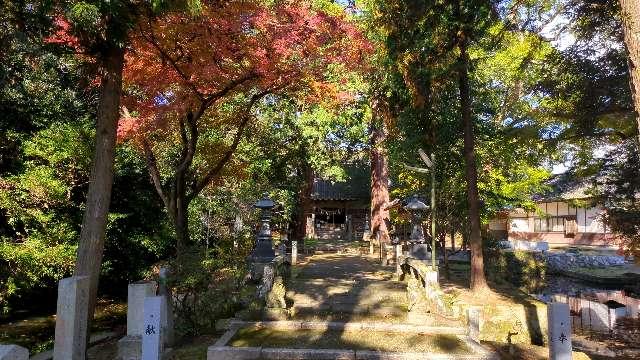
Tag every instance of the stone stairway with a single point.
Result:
(347, 306)
(340, 286)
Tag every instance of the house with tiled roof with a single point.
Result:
(341, 208)
(567, 214)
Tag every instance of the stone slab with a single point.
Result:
(308, 354)
(233, 353)
(71, 319)
(559, 321)
(152, 337)
(13, 352)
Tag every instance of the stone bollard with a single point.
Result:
(383, 254)
(130, 346)
(163, 290)
(13, 352)
(398, 253)
(473, 314)
(154, 319)
(294, 252)
(71, 319)
(559, 323)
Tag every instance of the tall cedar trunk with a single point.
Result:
(94, 222)
(478, 281)
(631, 22)
(305, 206)
(379, 180)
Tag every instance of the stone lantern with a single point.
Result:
(415, 207)
(263, 252)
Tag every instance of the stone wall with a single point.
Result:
(565, 261)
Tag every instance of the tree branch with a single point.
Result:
(214, 172)
(154, 173)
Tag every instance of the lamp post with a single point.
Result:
(263, 252)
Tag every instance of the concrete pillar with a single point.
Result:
(136, 293)
(473, 314)
(13, 352)
(130, 346)
(559, 323)
(294, 252)
(154, 319)
(71, 319)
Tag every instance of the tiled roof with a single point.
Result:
(568, 186)
(357, 186)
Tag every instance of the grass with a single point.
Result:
(353, 340)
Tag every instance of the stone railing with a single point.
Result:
(424, 292)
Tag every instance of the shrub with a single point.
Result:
(29, 267)
(207, 286)
(523, 269)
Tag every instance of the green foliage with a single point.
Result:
(31, 264)
(207, 285)
(523, 269)
(620, 190)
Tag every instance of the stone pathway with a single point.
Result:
(347, 306)
(341, 287)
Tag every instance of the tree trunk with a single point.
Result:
(453, 238)
(379, 178)
(181, 224)
(478, 281)
(631, 21)
(305, 208)
(94, 222)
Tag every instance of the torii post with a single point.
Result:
(430, 163)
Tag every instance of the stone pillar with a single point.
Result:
(71, 319)
(431, 277)
(130, 346)
(473, 314)
(294, 252)
(164, 290)
(154, 318)
(136, 293)
(559, 323)
(13, 352)
(397, 254)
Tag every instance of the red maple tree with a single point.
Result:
(183, 72)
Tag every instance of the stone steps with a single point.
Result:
(222, 349)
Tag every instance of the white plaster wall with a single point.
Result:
(520, 225)
(563, 208)
(593, 222)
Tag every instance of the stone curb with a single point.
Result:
(349, 326)
(311, 354)
(248, 353)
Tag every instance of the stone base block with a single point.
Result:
(233, 353)
(307, 354)
(130, 348)
(13, 352)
